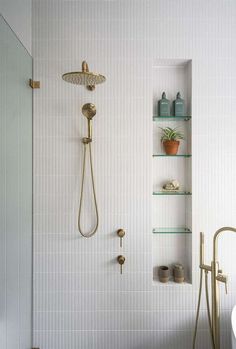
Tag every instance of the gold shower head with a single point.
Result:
(85, 77)
(89, 110)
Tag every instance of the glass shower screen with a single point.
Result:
(15, 191)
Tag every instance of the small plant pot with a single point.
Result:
(171, 147)
(164, 274)
(178, 273)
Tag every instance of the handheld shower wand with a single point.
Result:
(89, 79)
(89, 111)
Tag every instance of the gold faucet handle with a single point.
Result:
(226, 286)
(121, 234)
(223, 278)
(121, 261)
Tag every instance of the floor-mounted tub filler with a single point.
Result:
(216, 277)
(89, 79)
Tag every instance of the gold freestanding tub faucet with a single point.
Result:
(216, 277)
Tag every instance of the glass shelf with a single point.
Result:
(172, 156)
(171, 283)
(171, 193)
(171, 231)
(171, 118)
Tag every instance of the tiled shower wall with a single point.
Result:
(80, 299)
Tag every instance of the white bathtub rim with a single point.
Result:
(233, 321)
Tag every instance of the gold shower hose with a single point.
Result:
(88, 235)
(208, 309)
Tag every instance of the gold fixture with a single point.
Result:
(121, 261)
(89, 110)
(121, 234)
(34, 84)
(84, 77)
(216, 277)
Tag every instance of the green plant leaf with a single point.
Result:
(171, 134)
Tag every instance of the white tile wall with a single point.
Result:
(81, 300)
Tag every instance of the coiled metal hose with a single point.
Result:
(198, 309)
(208, 309)
(93, 231)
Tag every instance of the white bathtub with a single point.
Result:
(233, 328)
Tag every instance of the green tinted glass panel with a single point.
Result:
(15, 191)
(171, 118)
(172, 156)
(171, 231)
(172, 193)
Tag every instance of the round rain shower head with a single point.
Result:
(84, 77)
(89, 110)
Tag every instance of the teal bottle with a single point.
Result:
(179, 107)
(164, 106)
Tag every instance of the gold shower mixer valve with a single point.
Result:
(121, 261)
(121, 234)
(219, 277)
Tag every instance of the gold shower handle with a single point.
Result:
(121, 261)
(223, 278)
(226, 286)
(90, 129)
(121, 234)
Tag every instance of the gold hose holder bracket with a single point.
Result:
(86, 140)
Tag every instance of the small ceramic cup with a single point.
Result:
(164, 273)
(178, 273)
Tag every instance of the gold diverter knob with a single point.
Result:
(121, 261)
(121, 234)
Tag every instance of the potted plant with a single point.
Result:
(170, 139)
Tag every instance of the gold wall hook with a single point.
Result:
(121, 261)
(121, 234)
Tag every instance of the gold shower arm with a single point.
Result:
(85, 67)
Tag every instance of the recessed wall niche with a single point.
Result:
(172, 210)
